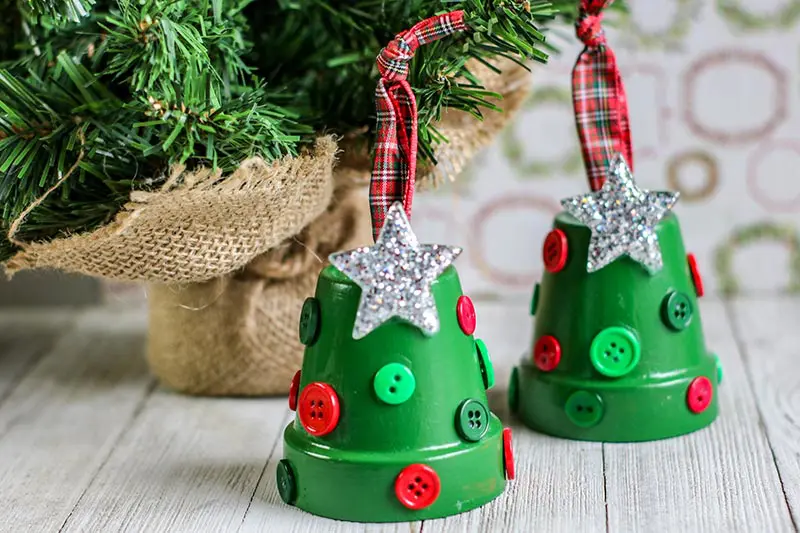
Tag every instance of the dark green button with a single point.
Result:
(394, 383)
(615, 351)
(287, 487)
(584, 409)
(535, 300)
(309, 321)
(487, 369)
(513, 390)
(472, 420)
(677, 310)
(719, 369)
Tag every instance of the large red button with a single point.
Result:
(466, 315)
(554, 252)
(319, 408)
(698, 281)
(547, 353)
(508, 454)
(699, 395)
(417, 486)
(294, 389)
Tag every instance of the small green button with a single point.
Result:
(615, 351)
(472, 420)
(309, 321)
(287, 487)
(677, 310)
(513, 390)
(719, 369)
(487, 369)
(584, 409)
(394, 383)
(535, 300)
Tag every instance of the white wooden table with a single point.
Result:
(90, 443)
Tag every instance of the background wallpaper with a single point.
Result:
(714, 96)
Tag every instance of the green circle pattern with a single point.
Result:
(485, 363)
(287, 487)
(737, 15)
(513, 390)
(584, 408)
(472, 420)
(677, 310)
(615, 351)
(309, 321)
(669, 37)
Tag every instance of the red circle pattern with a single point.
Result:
(319, 409)
(417, 486)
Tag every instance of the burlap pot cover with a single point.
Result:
(237, 335)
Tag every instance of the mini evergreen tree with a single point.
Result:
(101, 97)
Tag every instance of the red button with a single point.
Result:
(698, 281)
(699, 395)
(319, 409)
(417, 486)
(294, 388)
(547, 353)
(508, 454)
(466, 315)
(554, 252)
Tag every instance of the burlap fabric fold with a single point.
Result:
(229, 260)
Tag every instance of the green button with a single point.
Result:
(615, 351)
(719, 369)
(487, 369)
(535, 300)
(472, 420)
(287, 487)
(584, 409)
(394, 383)
(309, 321)
(513, 390)
(677, 310)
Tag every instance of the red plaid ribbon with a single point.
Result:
(598, 96)
(395, 166)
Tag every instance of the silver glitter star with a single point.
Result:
(395, 276)
(623, 219)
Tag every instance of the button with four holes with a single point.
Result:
(508, 454)
(676, 310)
(394, 383)
(699, 395)
(485, 364)
(287, 487)
(554, 251)
(318, 409)
(417, 486)
(584, 408)
(696, 279)
(615, 351)
(309, 321)
(465, 312)
(294, 390)
(547, 353)
(472, 420)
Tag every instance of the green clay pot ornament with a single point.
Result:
(392, 421)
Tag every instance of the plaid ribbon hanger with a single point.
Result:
(598, 96)
(395, 165)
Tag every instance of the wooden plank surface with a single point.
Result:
(722, 478)
(769, 334)
(65, 416)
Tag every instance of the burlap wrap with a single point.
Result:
(229, 261)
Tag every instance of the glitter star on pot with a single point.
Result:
(623, 219)
(395, 276)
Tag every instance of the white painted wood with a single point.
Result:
(559, 483)
(722, 478)
(24, 338)
(769, 331)
(64, 417)
(186, 465)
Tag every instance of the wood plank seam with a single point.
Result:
(138, 410)
(734, 319)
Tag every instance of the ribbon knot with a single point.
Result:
(395, 165)
(589, 29)
(598, 96)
